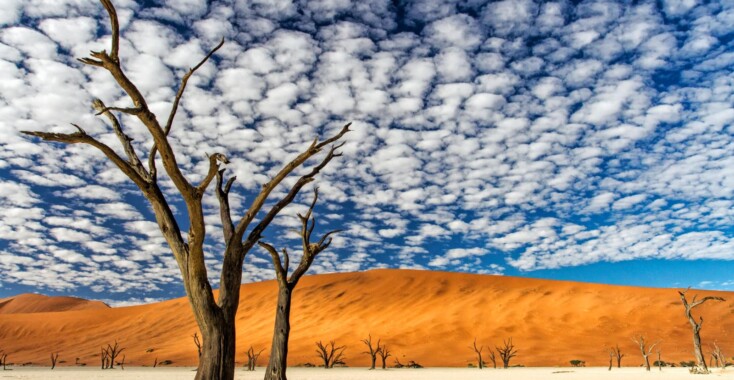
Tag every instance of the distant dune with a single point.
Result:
(38, 303)
(430, 317)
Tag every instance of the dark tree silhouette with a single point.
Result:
(506, 352)
(252, 358)
(279, 349)
(478, 351)
(215, 317)
(493, 358)
(384, 353)
(54, 359)
(330, 354)
(197, 343)
(372, 351)
(618, 353)
(696, 327)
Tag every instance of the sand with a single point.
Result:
(38, 303)
(430, 317)
(364, 374)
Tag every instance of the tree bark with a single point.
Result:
(279, 351)
(696, 328)
(217, 350)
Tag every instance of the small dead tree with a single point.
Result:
(121, 363)
(104, 357)
(506, 352)
(611, 358)
(371, 351)
(155, 362)
(286, 284)
(197, 343)
(384, 354)
(215, 316)
(718, 356)
(618, 353)
(54, 359)
(478, 351)
(252, 358)
(3, 360)
(493, 358)
(330, 354)
(696, 327)
(646, 351)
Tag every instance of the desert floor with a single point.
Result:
(362, 373)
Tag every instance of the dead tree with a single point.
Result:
(4, 360)
(646, 351)
(718, 356)
(506, 352)
(104, 358)
(122, 363)
(384, 354)
(197, 343)
(493, 358)
(611, 358)
(54, 358)
(618, 353)
(252, 358)
(372, 351)
(330, 354)
(478, 351)
(696, 327)
(214, 316)
(155, 362)
(286, 284)
(113, 352)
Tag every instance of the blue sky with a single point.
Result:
(584, 140)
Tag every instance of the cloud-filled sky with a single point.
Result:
(585, 140)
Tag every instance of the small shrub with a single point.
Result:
(165, 362)
(577, 363)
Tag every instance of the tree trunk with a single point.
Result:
(218, 349)
(700, 360)
(374, 361)
(647, 363)
(279, 349)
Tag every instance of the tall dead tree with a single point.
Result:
(506, 352)
(252, 358)
(696, 327)
(54, 359)
(372, 351)
(384, 353)
(644, 350)
(214, 316)
(286, 284)
(478, 351)
(618, 353)
(611, 358)
(330, 354)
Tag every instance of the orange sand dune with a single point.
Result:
(38, 303)
(429, 317)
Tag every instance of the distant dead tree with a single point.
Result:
(493, 358)
(54, 358)
(215, 316)
(109, 354)
(279, 349)
(718, 356)
(506, 352)
(478, 351)
(611, 358)
(646, 351)
(252, 358)
(618, 353)
(372, 351)
(3, 359)
(696, 327)
(104, 357)
(197, 343)
(122, 363)
(330, 354)
(155, 362)
(384, 354)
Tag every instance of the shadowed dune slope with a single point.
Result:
(38, 303)
(430, 317)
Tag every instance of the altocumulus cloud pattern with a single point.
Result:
(489, 137)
